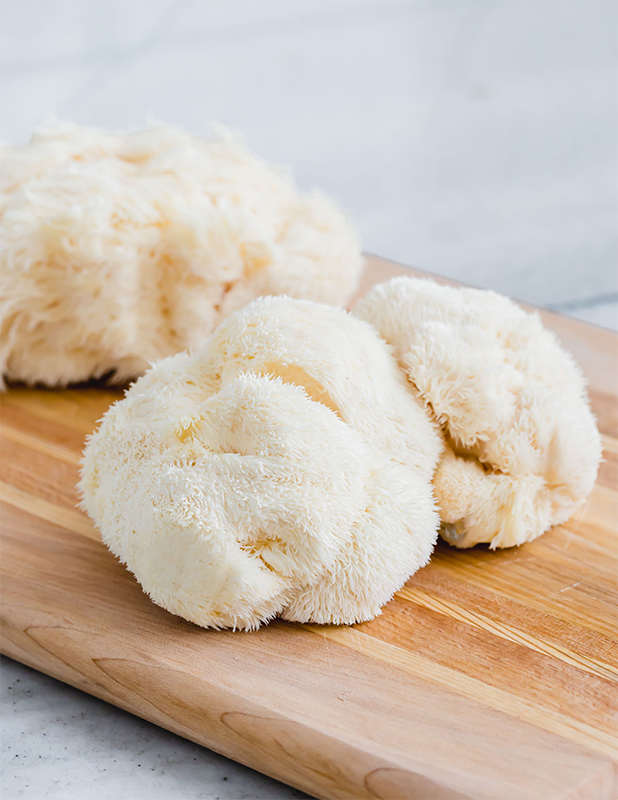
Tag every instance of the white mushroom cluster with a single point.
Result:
(283, 467)
(116, 251)
(288, 464)
(522, 447)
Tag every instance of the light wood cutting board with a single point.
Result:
(490, 675)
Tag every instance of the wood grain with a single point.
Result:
(489, 675)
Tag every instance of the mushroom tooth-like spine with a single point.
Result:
(222, 524)
(280, 468)
(523, 448)
(117, 251)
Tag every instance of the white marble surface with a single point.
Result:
(472, 138)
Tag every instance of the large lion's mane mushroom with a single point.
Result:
(116, 251)
(281, 468)
(523, 449)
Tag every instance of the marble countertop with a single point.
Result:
(472, 138)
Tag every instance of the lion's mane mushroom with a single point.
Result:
(523, 449)
(116, 251)
(281, 468)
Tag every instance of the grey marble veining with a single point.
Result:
(473, 138)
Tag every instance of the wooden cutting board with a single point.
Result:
(490, 675)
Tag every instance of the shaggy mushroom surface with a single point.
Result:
(522, 447)
(283, 467)
(116, 251)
